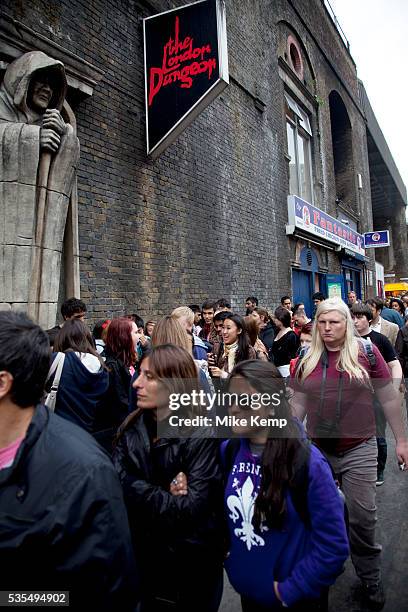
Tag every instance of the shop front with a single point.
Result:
(319, 232)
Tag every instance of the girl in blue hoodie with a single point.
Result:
(287, 535)
(84, 380)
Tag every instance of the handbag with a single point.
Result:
(56, 367)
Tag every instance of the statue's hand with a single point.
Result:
(52, 120)
(49, 140)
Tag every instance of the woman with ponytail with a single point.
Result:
(287, 534)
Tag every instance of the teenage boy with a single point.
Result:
(362, 316)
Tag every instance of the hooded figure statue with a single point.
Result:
(38, 162)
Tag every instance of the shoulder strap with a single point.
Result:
(324, 360)
(52, 396)
(54, 365)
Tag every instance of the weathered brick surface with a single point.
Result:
(208, 217)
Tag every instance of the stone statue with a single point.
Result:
(39, 154)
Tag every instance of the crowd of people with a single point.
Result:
(129, 518)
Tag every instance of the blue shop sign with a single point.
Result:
(314, 221)
(374, 240)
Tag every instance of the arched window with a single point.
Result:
(299, 135)
(342, 151)
(294, 55)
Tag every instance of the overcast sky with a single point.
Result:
(377, 31)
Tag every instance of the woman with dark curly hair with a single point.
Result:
(398, 305)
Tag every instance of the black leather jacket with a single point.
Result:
(178, 538)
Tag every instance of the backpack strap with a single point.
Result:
(295, 363)
(368, 350)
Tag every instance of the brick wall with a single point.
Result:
(207, 218)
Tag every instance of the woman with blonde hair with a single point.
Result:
(333, 385)
(169, 330)
(340, 337)
(185, 316)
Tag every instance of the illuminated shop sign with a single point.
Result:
(186, 67)
(316, 222)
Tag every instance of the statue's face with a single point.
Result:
(40, 93)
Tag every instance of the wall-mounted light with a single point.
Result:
(359, 181)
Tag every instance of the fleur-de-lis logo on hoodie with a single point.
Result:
(242, 506)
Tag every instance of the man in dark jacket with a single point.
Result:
(70, 309)
(63, 520)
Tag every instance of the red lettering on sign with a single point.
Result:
(329, 226)
(175, 53)
(316, 217)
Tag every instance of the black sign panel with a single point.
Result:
(186, 67)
